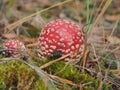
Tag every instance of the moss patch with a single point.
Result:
(15, 75)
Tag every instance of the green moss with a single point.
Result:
(16, 75)
(65, 71)
(71, 73)
(39, 85)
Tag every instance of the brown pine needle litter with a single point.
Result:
(13, 25)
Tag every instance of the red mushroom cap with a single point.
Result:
(61, 35)
(13, 47)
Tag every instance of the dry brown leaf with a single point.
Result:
(81, 87)
(116, 70)
(113, 40)
(112, 17)
(31, 45)
(32, 55)
(43, 1)
(27, 39)
(9, 35)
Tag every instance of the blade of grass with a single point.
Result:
(34, 14)
(100, 7)
(88, 13)
(92, 12)
(10, 4)
(107, 4)
(91, 19)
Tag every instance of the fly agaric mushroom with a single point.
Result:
(13, 47)
(61, 36)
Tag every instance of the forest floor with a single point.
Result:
(99, 67)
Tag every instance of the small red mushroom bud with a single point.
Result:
(13, 48)
(63, 36)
